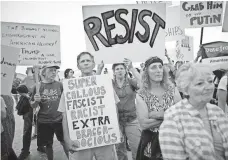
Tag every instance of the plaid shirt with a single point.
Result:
(183, 136)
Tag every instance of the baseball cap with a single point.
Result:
(44, 67)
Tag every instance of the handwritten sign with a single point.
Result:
(114, 32)
(173, 29)
(225, 21)
(216, 53)
(9, 60)
(168, 3)
(91, 111)
(196, 14)
(39, 44)
(184, 49)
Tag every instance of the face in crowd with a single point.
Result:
(86, 64)
(119, 71)
(50, 73)
(196, 81)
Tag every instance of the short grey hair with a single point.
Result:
(188, 72)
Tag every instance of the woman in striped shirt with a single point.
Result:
(194, 129)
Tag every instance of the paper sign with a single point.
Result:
(91, 111)
(9, 60)
(184, 49)
(168, 3)
(215, 53)
(38, 44)
(173, 29)
(115, 32)
(196, 14)
(225, 21)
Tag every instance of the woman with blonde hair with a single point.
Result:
(157, 94)
(194, 129)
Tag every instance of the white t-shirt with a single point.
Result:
(223, 86)
(223, 83)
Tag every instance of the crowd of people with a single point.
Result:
(164, 111)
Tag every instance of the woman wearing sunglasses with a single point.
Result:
(126, 91)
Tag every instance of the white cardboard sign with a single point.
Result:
(91, 111)
(196, 14)
(174, 31)
(38, 44)
(9, 60)
(133, 31)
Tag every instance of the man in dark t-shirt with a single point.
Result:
(49, 120)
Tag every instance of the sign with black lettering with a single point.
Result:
(215, 53)
(168, 3)
(38, 44)
(114, 32)
(225, 20)
(174, 31)
(91, 111)
(184, 49)
(197, 14)
(9, 60)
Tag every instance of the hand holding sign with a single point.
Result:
(100, 67)
(37, 98)
(128, 63)
(73, 146)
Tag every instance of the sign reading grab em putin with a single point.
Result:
(91, 111)
(114, 32)
(196, 14)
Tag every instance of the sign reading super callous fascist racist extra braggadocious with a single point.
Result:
(91, 111)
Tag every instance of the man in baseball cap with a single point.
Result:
(49, 120)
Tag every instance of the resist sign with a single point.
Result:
(116, 32)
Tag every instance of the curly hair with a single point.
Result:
(188, 72)
(145, 81)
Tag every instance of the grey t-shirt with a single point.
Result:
(50, 96)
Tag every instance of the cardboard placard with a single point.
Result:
(38, 44)
(184, 49)
(174, 31)
(91, 111)
(225, 20)
(197, 14)
(9, 60)
(168, 3)
(115, 32)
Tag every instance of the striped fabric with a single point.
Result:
(182, 135)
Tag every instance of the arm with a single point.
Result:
(135, 73)
(222, 99)
(100, 68)
(170, 62)
(143, 115)
(3, 109)
(170, 141)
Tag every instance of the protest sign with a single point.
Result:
(184, 48)
(9, 60)
(115, 32)
(168, 3)
(173, 29)
(91, 111)
(225, 20)
(215, 53)
(38, 44)
(197, 14)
